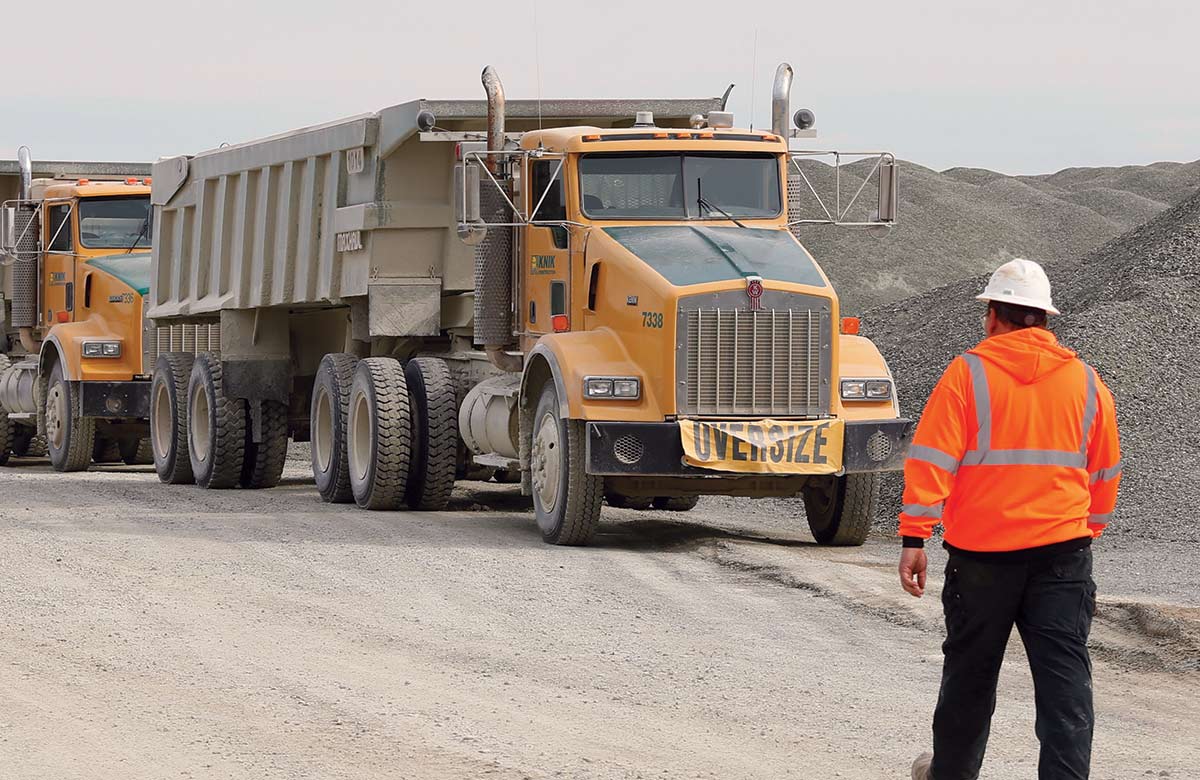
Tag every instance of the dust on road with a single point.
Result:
(150, 631)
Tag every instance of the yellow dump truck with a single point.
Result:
(76, 264)
(605, 297)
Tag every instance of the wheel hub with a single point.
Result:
(56, 415)
(546, 462)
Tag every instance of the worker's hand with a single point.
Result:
(912, 570)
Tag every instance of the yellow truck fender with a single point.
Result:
(569, 357)
(52, 352)
(861, 359)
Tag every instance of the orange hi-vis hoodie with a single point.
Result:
(1017, 448)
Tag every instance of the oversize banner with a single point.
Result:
(764, 446)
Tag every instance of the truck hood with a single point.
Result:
(131, 268)
(689, 254)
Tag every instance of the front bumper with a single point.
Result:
(115, 399)
(655, 449)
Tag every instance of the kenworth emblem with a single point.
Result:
(754, 291)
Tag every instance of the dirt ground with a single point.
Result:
(149, 631)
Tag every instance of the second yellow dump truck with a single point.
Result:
(74, 265)
(605, 297)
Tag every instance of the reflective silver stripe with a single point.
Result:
(1100, 518)
(1089, 407)
(922, 510)
(983, 401)
(1104, 475)
(943, 460)
(1075, 460)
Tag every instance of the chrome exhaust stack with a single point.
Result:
(780, 96)
(494, 253)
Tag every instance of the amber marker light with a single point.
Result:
(851, 325)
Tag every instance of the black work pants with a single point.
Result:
(1051, 601)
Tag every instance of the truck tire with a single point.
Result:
(216, 427)
(263, 464)
(622, 501)
(328, 422)
(26, 443)
(136, 452)
(840, 509)
(8, 438)
(676, 503)
(70, 437)
(380, 433)
(434, 458)
(566, 499)
(8, 429)
(168, 418)
(106, 450)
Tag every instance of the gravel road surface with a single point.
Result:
(149, 631)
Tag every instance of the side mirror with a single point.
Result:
(466, 203)
(887, 191)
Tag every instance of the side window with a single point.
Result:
(554, 205)
(60, 228)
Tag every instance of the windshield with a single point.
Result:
(677, 185)
(114, 223)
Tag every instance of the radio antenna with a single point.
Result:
(753, 76)
(537, 64)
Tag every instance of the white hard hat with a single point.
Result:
(1020, 282)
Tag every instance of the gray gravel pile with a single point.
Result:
(1132, 310)
(963, 221)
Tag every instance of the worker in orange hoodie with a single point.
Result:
(1017, 456)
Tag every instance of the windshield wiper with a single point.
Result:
(142, 232)
(704, 203)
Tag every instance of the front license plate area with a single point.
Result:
(764, 446)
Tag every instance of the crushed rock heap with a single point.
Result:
(1131, 308)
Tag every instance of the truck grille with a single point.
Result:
(737, 361)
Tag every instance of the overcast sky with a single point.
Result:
(1020, 86)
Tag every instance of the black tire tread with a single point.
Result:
(7, 428)
(178, 366)
(857, 499)
(341, 367)
(388, 478)
(264, 460)
(229, 430)
(137, 452)
(82, 432)
(434, 458)
(105, 450)
(676, 503)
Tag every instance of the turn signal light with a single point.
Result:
(851, 325)
(560, 323)
(62, 316)
(83, 181)
(131, 180)
(146, 181)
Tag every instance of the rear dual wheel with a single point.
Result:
(384, 435)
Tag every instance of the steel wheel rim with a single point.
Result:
(199, 424)
(547, 461)
(323, 432)
(56, 414)
(360, 436)
(164, 423)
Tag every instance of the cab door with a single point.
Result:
(58, 267)
(546, 255)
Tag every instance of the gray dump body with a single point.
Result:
(360, 208)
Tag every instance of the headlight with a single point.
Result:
(102, 349)
(866, 390)
(601, 387)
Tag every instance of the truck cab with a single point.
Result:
(696, 341)
(72, 372)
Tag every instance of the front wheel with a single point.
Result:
(70, 437)
(840, 509)
(566, 499)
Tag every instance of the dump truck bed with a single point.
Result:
(356, 207)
